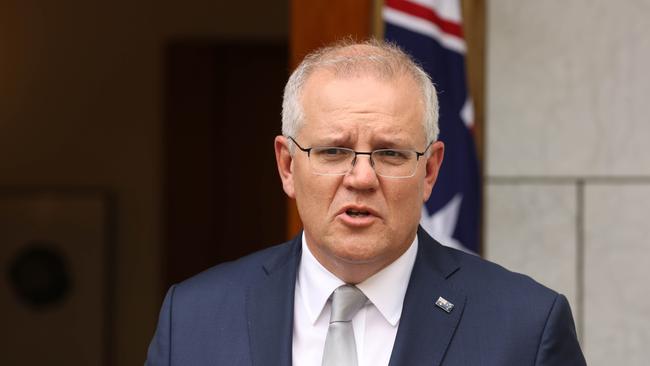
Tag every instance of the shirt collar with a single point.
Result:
(315, 283)
(385, 289)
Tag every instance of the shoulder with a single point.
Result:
(532, 321)
(236, 275)
(222, 289)
(502, 299)
(531, 315)
(472, 274)
(477, 273)
(484, 281)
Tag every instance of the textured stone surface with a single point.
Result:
(531, 229)
(567, 88)
(617, 269)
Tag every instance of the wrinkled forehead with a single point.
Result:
(388, 107)
(399, 82)
(392, 77)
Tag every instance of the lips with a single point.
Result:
(357, 215)
(358, 210)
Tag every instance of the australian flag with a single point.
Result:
(431, 31)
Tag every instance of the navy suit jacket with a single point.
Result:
(241, 313)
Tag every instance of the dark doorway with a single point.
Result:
(223, 194)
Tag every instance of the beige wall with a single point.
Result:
(568, 163)
(81, 105)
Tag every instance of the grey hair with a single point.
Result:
(380, 59)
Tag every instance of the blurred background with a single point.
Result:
(118, 123)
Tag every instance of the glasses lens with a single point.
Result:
(395, 163)
(331, 160)
(389, 163)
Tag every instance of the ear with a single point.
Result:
(433, 163)
(284, 161)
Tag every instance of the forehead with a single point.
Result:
(354, 106)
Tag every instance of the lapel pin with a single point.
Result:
(445, 305)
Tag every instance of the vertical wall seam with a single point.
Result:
(580, 259)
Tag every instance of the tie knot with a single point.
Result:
(346, 301)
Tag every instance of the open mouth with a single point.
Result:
(355, 213)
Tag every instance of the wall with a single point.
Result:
(567, 161)
(81, 105)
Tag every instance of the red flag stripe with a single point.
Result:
(426, 13)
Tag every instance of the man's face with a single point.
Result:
(363, 113)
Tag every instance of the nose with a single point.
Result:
(362, 175)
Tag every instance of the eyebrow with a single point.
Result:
(333, 141)
(391, 143)
(375, 145)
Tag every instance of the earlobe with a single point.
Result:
(433, 164)
(284, 162)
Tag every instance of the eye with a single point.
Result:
(391, 156)
(331, 153)
(388, 153)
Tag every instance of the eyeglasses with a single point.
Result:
(388, 163)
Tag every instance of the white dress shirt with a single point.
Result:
(375, 325)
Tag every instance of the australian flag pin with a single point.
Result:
(445, 305)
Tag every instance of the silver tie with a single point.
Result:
(340, 347)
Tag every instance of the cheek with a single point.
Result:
(406, 203)
(314, 195)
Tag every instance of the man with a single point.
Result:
(359, 155)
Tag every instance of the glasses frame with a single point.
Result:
(369, 153)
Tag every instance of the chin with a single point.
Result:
(360, 250)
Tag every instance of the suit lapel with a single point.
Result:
(425, 330)
(269, 306)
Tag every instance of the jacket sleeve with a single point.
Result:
(559, 342)
(160, 347)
